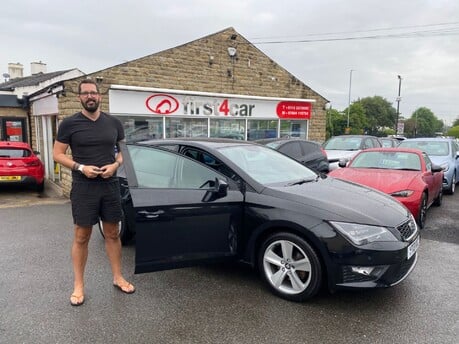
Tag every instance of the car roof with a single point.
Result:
(14, 144)
(282, 139)
(392, 149)
(440, 139)
(204, 142)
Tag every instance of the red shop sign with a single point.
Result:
(293, 110)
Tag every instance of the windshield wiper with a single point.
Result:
(302, 181)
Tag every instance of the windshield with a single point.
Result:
(387, 160)
(438, 148)
(343, 143)
(267, 166)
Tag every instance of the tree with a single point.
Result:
(425, 123)
(379, 113)
(454, 131)
(456, 122)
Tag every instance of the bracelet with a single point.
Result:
(80, 168)
(75, 166)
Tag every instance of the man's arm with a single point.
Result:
(60, 156)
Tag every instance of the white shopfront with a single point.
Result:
(149, 113)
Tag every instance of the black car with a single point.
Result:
(309, 153)
(192, 201)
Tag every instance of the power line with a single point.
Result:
(448, 31)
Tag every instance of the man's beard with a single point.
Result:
(90, 108)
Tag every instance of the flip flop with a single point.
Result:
(124, 290)
(76, 297)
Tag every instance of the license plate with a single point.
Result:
(413, 248)
(10, 178)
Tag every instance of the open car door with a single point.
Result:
(185, 213)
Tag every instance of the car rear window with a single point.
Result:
(14, 153)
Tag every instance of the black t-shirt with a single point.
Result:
(92, 142)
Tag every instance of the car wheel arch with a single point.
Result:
(260, 235)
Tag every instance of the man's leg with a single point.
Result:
(113, 248)
(79, 258)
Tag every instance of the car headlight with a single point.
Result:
(402, 193)
(363, 234)
(445, 167)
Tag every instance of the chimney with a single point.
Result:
(15, 70)
(37, 68)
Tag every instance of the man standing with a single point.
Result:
(92, 136)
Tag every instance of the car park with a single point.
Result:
(344, 147)
(309, 153)
(19, 164)
(443, 152)
(406, 174)
(195, 201)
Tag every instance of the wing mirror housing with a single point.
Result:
(343, 162)
(218, 189)
(436, 168)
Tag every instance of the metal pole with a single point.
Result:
(349, 99)
(398, 102)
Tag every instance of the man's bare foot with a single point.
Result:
(124, 286)
(76, 299)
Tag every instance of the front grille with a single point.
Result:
(407, 229)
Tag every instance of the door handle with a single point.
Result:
(150, 214)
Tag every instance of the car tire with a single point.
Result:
(452, 188)
(277, 258)
(439, 200)
(421, 220)
(123, 231)
(40, 187)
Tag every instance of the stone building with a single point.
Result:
(220, 85)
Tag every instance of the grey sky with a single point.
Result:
(417, 39)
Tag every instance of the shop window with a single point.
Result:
(295, 129)
(186, 127)
(14, 129)
(138, 128)
(261, 129)
(228, 128)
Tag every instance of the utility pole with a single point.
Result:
(398, 103)
(349, 99)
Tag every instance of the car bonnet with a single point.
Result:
(338, 200)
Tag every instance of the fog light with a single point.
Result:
(372, 271)
(363, 270)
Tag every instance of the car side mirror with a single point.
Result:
(342, 162)
(436, 168)
(218, 189)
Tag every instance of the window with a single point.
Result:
(292, 149)
(156, 168)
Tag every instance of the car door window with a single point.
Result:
(211, 161)
(155, 168)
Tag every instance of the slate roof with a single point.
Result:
(32, 80)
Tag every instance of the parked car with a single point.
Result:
(389, 141)
(344, 147)
(406, 174)
(19, 164)
(309, 153)
(194, 201)
(443, 152)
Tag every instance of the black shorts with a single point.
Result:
(94, 200)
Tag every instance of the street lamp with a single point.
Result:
(398, 102)
(349, 99)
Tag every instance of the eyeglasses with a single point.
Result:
(92, 94)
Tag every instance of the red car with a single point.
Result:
(19, 164)
(404, 173)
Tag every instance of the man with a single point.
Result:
(92, 136)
